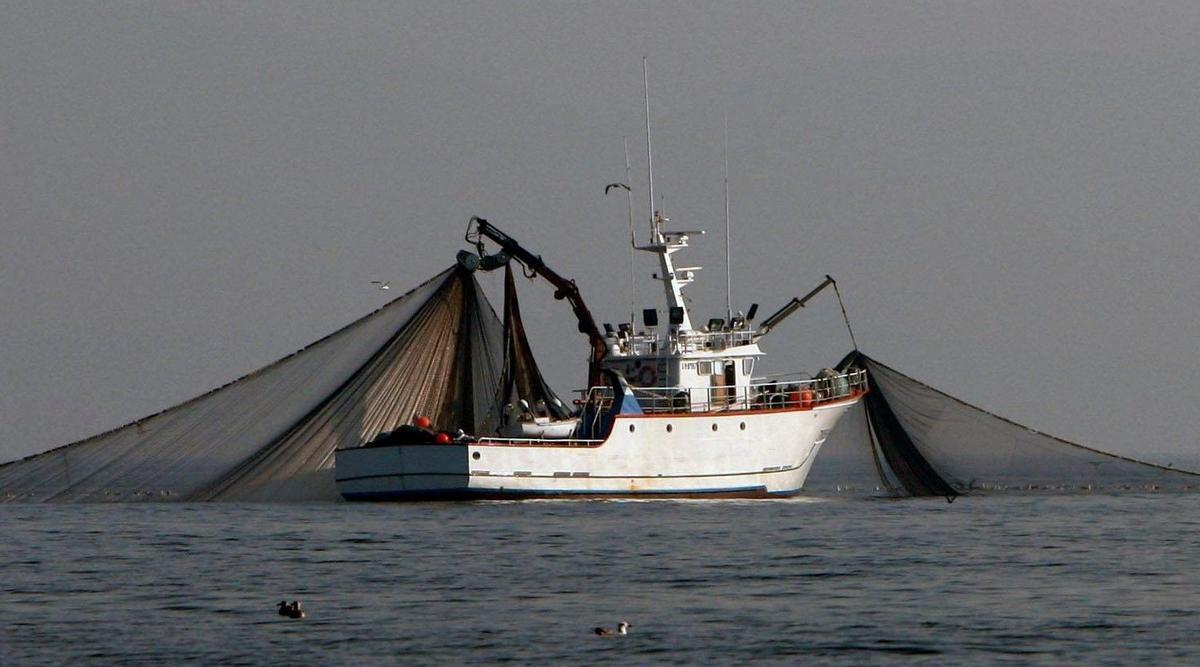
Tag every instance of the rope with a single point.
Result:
(845, 317)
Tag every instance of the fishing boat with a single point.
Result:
(671, 409)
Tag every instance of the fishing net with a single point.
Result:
(522, 379)
(907, 438)
(440, 350)
(271, 435)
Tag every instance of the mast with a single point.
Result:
(649, 155)
(728, 266)
(632, 238)
(664, 243)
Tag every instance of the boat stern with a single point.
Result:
(403, 472)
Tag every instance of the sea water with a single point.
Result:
(1088, 579)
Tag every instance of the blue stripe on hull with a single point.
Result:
(519, 494)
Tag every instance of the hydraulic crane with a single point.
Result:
(564, 288)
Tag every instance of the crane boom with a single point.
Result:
(791, 307)
(564, 288)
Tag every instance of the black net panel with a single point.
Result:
(908, 438)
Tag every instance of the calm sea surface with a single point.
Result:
(1091, 579)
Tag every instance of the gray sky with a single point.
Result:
(1006, 191)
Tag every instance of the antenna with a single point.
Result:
(632, 237)
(649, 152)
(728, 266)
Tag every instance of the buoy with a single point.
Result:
(647, 376)
(444, 438)
(806, 398)
(423, 422)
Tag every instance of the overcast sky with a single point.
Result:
(1007, 192)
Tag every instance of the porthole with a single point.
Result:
(631, 428)
(475, 456)
(714, 427)
(669, 429)
(742, 426)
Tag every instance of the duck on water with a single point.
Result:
(293, 610)
(621, 629)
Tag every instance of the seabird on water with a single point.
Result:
(381, 284)
(622, 629)
(293, 610)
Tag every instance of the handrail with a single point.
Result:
(800, 393)
(642, 344)
(491, 439)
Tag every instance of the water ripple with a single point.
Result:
(990, 579)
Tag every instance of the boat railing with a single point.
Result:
(680, 342)
(776, 394)
(695, 341)
(496, 440)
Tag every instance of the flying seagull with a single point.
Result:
(622, 629)
(381, 284)
(610, 186)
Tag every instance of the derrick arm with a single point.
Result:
(791, 307)
(563, 287)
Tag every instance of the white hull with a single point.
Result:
(738, 453)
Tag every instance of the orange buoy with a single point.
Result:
(806, 398)
(443, 438)
(423, 422)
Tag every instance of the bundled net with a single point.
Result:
(522, 379)
(907, 438)
(271, 435)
